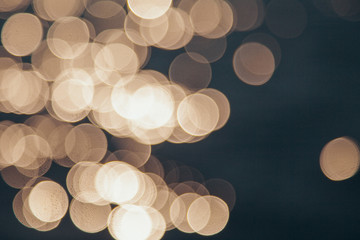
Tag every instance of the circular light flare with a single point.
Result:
(340, 159)
(68, 37)
(71, 96)
(181, 188)
(13, 5)
(56, 140)
(198, 114)
(153, 166)
(80, 183)
(22, 34)
(8, 140)
(99, 9)
(48, 226)
(160, 109)
(179, 209)
(51, 10)
(117, 57)
(32, 151)
(132, 29)
(24, 215)
(164, 206)
(143, 151)
(226, 21)
(17, 206)
(180, 31)
(174, 32)
(27, 93)
(153, 31)
(85, 142)
(197, 187)
(268, 41)
(43, 167)
(105, 15)
(48, 201)
(46, 63)
(149, 192)
(118, 182)
(149, 9)
(205, 16)
(158, 224)
(14, 178)
(135, 100)
(130, 222)
(254, 63)
(119, 36)
(208, 215)
(195, 75)
(89, 217)
(222, 103)
(150, 136)
(249, 14)
(211, 49)
(222, 189)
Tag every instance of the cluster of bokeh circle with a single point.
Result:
(88, 60)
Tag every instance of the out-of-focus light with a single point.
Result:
(198, 114)
(68, 37)
(22, 34)
(249, 14)
(222, 189)
(195, 75)
(89, 217)
(149, 9)
(90, 64)
(13, 5)
(211, 49)
(254, 63)
(208, 215)
(52, 10)
(86, 142)
(179, 210)
(130, 222)
(48, 201)
(340, 159)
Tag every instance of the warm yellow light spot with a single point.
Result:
(86, 142)
(179, 209)
(208, 215)
(198, 114)
(118, 182)
(254, 63)
(22, 34)
(48, 201)
(205, 16)
(222, 103)
(89, 217)
(130, 222)
(51, 10)
(149, 9)
(68, 37)
(340, 159)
